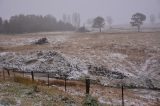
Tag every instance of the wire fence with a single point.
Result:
(49, 79)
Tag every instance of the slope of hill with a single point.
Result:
(110, 58)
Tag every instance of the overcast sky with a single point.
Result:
(120, 10)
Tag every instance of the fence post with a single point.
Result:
(87, 85)
(48, 79)
(122, 97)
(13, 75)
(65, 79)
(0, 74)
(23, 73)
(32, 75)
(3, 75)
(8, 73)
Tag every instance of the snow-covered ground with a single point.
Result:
(132, 59)
(108, 57)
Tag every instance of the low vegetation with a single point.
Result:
(105, 57)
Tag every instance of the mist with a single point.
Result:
(120, 10)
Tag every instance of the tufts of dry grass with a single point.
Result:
(24, 80)
(68, 83)
(28, 81)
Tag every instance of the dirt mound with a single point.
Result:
(40, 61)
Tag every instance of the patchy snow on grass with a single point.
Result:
(103, 100)
(79, 68)
(117, 56)
(46, 61)
(6, 53)
(57, 39)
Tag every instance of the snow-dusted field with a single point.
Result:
(109, 58)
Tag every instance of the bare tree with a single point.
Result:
(137, 20)
(98, 22)
(89, 21)
(109, 21)
(1, 22)
(69, 19)
(76, 20)
(159, 16)
(64, 18)
(152, 18)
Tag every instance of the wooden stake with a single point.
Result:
(87, 85)
(23, 73)
(122, 97)
(65, 79)
(32, 75)
(48, 79)
(8, 73)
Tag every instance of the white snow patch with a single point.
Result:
(6, 53)
(102, 100)
(118, 56)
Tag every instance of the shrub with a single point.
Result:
(7, 101)
(35, 88)
(90, 101)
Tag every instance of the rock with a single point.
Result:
(41, 41)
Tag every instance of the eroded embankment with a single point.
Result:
(121, 72)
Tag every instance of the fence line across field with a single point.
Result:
(48, 75)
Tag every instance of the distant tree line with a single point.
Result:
(74, 19)
(136, 20)
(33, 23)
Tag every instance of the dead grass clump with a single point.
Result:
(24, 80)
(50, 90)
(28, 81)
(24, 48)
(41, 82)
(90, 101)
(75, 83)
(69, 83)
(7, 101)
(2, 49)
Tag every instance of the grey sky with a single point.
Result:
(120, 10)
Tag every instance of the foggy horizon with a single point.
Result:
(121, 11)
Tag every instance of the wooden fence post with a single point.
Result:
(87, 85)
(8, 73)
(13, 75)
(48, 79)
(65, 79)
(122, 97)
(32, 75)
(23, 73)
(3, 75)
